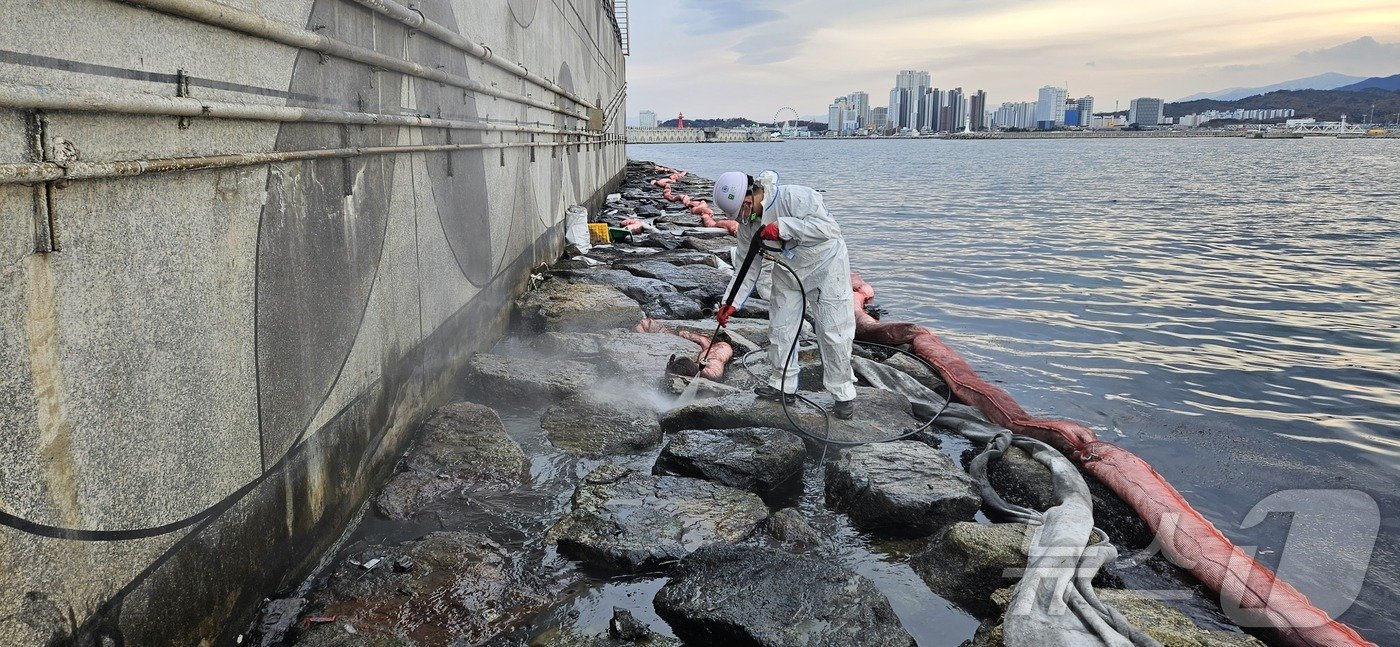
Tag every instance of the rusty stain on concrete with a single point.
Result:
(55, 434)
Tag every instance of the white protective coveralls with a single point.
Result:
(814, 248)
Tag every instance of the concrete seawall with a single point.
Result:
(245, 247)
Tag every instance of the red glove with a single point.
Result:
(723, 315)
(769, 232)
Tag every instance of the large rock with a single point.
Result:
(640, 289)
(792, 531)
(904, 488)
(1022, 480)
(683, 277)
(710, 295)
(583, 346)
(765, 461)
(639, 358)
(522, 380)
(590, 427)
(629, 520)
(446, 588)
(679, 219)
(709, 244)
(1169, 626)
(879, 415)
(919, 371)
(728, 595)
(673, 306)
(967, 562)
(628, 258)
(562, 306)
(460, 446)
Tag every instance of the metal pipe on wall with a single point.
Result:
(225, 17)
(26, 173)
(415, 20)
(26, 98)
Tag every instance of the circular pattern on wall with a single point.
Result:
(523, 11)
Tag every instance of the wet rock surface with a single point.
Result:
(564, 307)
(460, 446)
(445, 588)
(639, 289)
(586, 426)
(966, 562)
(903, 487)
(683, 277)
(879, 415)
(1170, 627)
(726, 595)
(1022, 480)
(628, 520)
(673, 306)
(792, 531)
(765, 461)
(515, 380)
(638, 359)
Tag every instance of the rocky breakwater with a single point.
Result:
(576, 496)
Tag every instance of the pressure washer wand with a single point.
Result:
(755, 247)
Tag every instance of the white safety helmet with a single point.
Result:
(730, 190)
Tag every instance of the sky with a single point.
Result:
(750, 58)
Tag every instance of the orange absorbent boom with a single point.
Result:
(698, 207)
(1186, 537)
(713, 355)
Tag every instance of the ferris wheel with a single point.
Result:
(786, 127)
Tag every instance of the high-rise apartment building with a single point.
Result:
(860, 107)
(647, 119)
(1145, 111)
(1050, 109)
(932, 103)
(1015, 115)
(906, 97)
(952, 116)
(1086, 111)
(836, 116)
(977, 112)
(879, 119)
(898, 99)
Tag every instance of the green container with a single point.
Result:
(618, 233)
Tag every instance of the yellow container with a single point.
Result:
(598, 233)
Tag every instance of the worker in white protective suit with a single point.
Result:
(794, 218)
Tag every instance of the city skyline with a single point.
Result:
(801, 53)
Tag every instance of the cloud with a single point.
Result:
(1366, 50)
(763, 49)
(721, 16)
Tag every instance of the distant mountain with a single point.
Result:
(731, 122)
(1391, 82)
(1328, 81)
(1323, 105)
